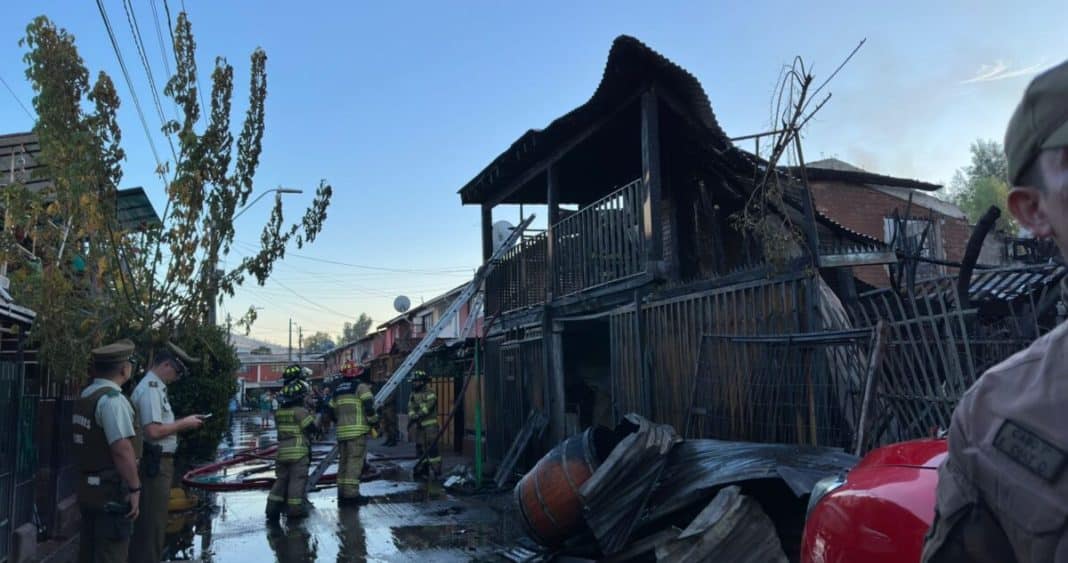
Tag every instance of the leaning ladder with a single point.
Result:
(417, 353)
(472, 288)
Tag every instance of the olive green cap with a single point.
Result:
(1040, 121)
(113, 353)
(181, 354)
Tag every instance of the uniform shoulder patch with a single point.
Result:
(153, 384)
(112, 393)
(1030, 450)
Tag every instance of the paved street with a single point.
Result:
(402, 523)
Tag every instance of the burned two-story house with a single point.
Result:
(602, 309)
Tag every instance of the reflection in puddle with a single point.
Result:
(402, 523)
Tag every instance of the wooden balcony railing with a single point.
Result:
(519, 280)
(601, 243)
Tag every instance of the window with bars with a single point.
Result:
(907, 237)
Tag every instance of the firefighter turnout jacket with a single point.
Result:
(352, 407)
(293, 422)
(423, 407)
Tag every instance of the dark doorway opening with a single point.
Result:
(587, 374)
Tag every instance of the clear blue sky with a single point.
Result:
(399, 104)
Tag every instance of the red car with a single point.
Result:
(877, 512)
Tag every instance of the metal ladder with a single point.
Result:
(472, 288)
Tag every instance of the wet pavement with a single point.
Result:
(403, 522)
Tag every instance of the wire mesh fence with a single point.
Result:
(796, 389)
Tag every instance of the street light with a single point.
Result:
(279, 191)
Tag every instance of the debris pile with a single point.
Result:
(640, 493)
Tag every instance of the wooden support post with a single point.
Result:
(848, 285)
(651, 183)
(808, 207)
(487, 232)
(648, 403)
(552, 196)
(875, 360)
(555, 352)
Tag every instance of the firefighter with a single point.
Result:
(295, 426)
(107, 445)
(1003, 489)
(352, 409)
(423, 422)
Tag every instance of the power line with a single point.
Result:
(135, 30)
(17, 100)
(159, 37)
(129, 83)
(313, 303)
(459, 270)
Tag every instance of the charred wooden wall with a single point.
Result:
(669, 333)
(515, 385)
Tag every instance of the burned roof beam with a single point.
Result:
(501, 195)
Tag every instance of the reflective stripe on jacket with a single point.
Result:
(348, 406)
(423, 407)
(291, 423)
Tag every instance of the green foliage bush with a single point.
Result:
(207, 388)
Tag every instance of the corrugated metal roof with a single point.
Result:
(135, 211)
(834, 170)
(1001, 284)
(631, 65)
(20, 161)
(697, 467)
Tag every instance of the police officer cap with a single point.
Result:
(181, 354)
(1039, 122)
(113, 353)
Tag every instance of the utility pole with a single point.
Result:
(291, 339)
(300, 345)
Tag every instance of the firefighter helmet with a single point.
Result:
(292, 372)
(294, 391)
(420, 376)
(350, 369)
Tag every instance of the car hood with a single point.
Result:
(927, 453)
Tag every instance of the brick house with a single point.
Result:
(865, 202)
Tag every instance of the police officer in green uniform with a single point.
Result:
(423, 421)
(156, 417)
(295, 425)
(352, 407)
(107, 445)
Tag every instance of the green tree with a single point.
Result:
(984, 182)
(68, 258)
(355, 331)
(318, 343)
(207, 388)
(90, 281)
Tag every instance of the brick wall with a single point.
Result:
(864, 209)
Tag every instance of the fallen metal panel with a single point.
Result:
(615, 495)
(534, 426)
(733, 527)
(695, 467)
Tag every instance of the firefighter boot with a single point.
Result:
(274, 510)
